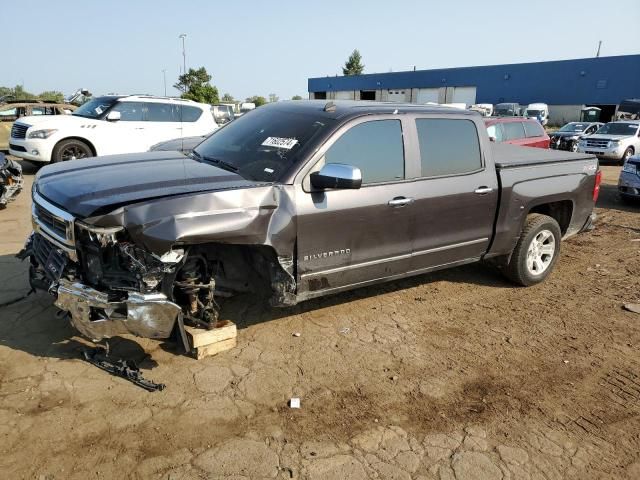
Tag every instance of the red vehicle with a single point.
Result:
(526, 132)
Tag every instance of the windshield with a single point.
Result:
(621, 128)
(533, 113)
(96, 107)
(261, 145)
(504, 111)
(574, 127)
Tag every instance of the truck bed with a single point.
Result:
(510, 156)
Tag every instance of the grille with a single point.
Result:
(19, 130)
(49, 257)
(597, 143)
(51, 222)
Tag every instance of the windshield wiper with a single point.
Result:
(219, 163)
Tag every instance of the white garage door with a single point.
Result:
(426, 95)
(397, 95)
(344, 95)
(463, 95)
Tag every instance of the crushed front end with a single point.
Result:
(107, 284)
(11, 180)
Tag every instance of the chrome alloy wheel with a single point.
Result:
(540, 252)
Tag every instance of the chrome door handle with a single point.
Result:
(483, 190)
(399, 201)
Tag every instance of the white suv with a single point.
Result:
(109, 125)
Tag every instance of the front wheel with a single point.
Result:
(536, 252)
(71, 149)
(627, 154)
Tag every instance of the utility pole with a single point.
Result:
(599, 45)
(164, 77)
(184, 55)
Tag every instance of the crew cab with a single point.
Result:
(616, 141)
(525, 132)
(297, 200)
(108, 125)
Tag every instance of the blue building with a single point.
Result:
(565, 85)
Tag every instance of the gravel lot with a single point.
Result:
(451, 375)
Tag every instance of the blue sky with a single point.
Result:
(259, 47)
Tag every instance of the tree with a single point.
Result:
(52, 95)
(273, 98)
(227, 98)
(195, 85)
(296, 97)
(258, 100)
(353, 65)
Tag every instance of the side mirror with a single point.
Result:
(337, 175)
(113, 116)
(492, 139)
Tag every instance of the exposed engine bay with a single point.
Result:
(109, 285)
(11, 180)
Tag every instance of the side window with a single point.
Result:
(495, 131)
(533, 129)
(8, 115)
(448, 146)
(42, 111)
(374, 147)
(189, 114)
(129, 111)
(513, 130)
(160, 112)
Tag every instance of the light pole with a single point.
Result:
(184, 55)
(164, 77)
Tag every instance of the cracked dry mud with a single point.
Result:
(453, 375)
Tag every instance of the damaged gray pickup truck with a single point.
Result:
(297, 200)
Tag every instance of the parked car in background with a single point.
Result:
(539, 111)
(222, 113)
(507, 110)
(11, 180)
(568, 136)
(183, 145)
(615, 141)
(294, 201)
(629, 109)
(484, 109)
(525, 132)
(629, 181)
(108, 125)
(12, 110)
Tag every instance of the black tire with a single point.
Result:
(518, 269)
(70, 150)
(627, 153)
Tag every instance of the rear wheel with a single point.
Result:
(71, 149)
(536, 252)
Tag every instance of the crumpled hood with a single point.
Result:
(97, 185)
(566, 134)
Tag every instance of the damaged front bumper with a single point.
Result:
(11, 180)
(94, 316)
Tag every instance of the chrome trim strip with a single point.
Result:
(68, 243)
(393, 259)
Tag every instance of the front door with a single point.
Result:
(353, 237)
(456, 195)
(127, 135)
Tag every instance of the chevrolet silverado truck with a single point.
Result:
(292, 201)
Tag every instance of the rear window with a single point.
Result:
(190, 114)
(448, 146)
(533, 129)
(513, 130)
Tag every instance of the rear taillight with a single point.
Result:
(596, 187)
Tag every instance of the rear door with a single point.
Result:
(455, 195)
(514, 133)
(351, 237)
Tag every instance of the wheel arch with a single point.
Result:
(80, 139)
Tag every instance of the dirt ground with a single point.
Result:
(452, 375)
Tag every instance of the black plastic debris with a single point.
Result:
(126, 369)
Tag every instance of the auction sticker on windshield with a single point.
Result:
(277, 142)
